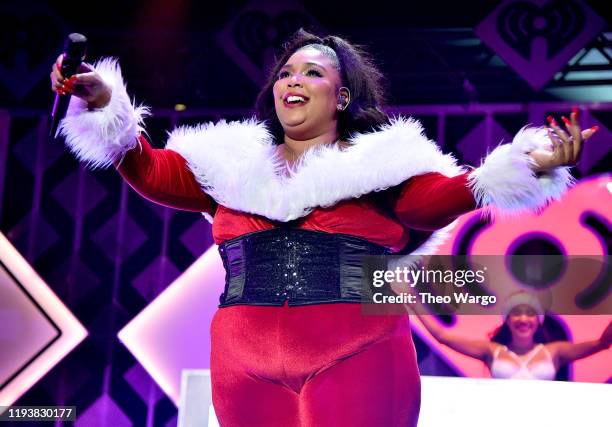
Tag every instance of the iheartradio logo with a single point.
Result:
(538, 37)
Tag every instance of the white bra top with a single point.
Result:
(520, 368)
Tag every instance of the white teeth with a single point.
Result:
(295, 98)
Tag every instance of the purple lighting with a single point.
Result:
(173, 332)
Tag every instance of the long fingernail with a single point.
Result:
(566, 121)
(595, 128)
(575, 111)
(551, 120)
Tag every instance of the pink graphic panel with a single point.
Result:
(37, 329)
(565, 222)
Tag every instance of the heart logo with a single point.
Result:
(558, 22)
(537, 38)
(252, 38)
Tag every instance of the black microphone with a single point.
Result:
(74, 54)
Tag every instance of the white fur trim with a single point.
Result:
(437, 239)
(208, 217)
(237, 164)
(507, 181)
(102, 136)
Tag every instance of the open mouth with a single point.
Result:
(295, 100)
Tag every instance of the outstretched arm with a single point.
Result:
(432, 200)
(163, 177)
(479, 349)
(567, 352)
(522, 176)
(103, 128)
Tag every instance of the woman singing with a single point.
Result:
(321, 177)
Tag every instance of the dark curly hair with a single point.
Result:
(357, 72)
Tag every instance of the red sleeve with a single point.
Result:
(432, 201)
(163, 177)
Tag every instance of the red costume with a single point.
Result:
(321, 364)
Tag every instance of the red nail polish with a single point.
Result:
(566, 121)
(575, 111)
(595, 128)
(551, 120)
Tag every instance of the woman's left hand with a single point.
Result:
(566, 148)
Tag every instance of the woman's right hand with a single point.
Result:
(87, 84)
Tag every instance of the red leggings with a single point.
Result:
(318, 365)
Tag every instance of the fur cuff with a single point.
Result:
(507, 181)
(102, 136)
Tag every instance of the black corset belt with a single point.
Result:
(299, 266)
